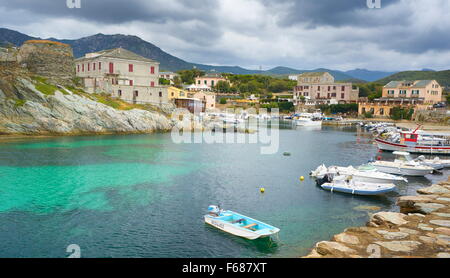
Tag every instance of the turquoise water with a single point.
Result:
(145, 196)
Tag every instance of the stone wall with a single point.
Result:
(421, 229)
(49, 59)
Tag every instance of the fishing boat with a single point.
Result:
(365, 173)
(238, 224)
(402, 165)
(348, 185)
(416, 141)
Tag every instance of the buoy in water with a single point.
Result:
(302, 178)
(262, 190)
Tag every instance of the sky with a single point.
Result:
(302, 34)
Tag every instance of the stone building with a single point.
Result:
(209, 79)
(320, 88)
(123, 74)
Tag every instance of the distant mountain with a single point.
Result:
(169, 62)
(368, 75)
(443, 77)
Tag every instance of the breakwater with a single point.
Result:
(420, 229)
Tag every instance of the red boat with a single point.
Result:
(416, 141)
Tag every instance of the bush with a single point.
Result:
(368, 115)
(398, 113)
(223, 101)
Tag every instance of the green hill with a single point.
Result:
(443, 77)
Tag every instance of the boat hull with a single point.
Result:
(308, 123)
(401, 171)
(355, 191)
(389, 146)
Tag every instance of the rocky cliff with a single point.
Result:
(39, 96)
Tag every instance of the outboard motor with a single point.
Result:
(214, 210)
(326, 178)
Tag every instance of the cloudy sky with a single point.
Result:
(303, 34)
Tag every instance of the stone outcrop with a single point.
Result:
(50, 59)
(420, 229)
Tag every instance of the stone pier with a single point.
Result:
(421, 229)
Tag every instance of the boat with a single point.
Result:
(364, 173)
(348, 185)
(238, 224)
(416, 141)
(402, 165)
(445, 163)
(308, 119)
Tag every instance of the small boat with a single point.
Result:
(364, 173)
(437, 162)
(308, 119)
(238, 224)
(403, 165)
(347, 185)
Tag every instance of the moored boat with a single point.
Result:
(348, 185)
(402, 165)
(238, 224)
(360, 174)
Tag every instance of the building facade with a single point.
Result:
(208, 97)
(426, 91)
(123, 74)
(320, 88)
(174, 92)
(169, 76)
(209, 80)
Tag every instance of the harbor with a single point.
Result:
(145, 196)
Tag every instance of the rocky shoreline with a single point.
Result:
(421, 229)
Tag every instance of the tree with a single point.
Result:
(163, 81)
(223, 101)
(223, 87)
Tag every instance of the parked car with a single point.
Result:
(440, 105)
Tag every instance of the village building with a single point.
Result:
(208, 97)
(426, 91)
(168, 75)
(210, 80)
(320, 88)
(174, 92)
(122, 74)
(418, 95)
(193, 105)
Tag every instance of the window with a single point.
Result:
(99, 66)
(89, 66)
(390, 92)
(111, 67)
(333, 94)
(152, 84)
(131, 82)
(212, 83)
(403, 92)
(334, 87)
(82, 67)
(206, 82)
(198, 82)
(152, 70)
(381, 111)
(160, 94)
(130, 68)
(318, 88)
(78, 68)
(342, 88)
(119, 93)
(136, 93)
(329, 88)
(173, 94)
(342, 95)
(93, 66)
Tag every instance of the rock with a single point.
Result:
(444, 223)
(426, 239)
(365, 208)
(392, 235)
(442, 214)
(444, 238)
(409, 231)
(399, 246)
(346, 238)
(434, 189)
(428, 207)
(440, 230)
(447, 200)
(443, 255)
(425, 227)
(389, 219)
(333, 248)
(313, 254)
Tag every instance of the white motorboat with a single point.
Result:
(402, 165)
(444, 163)
(362, 174)
(238, 224)
(308, 119)
(347, 185)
